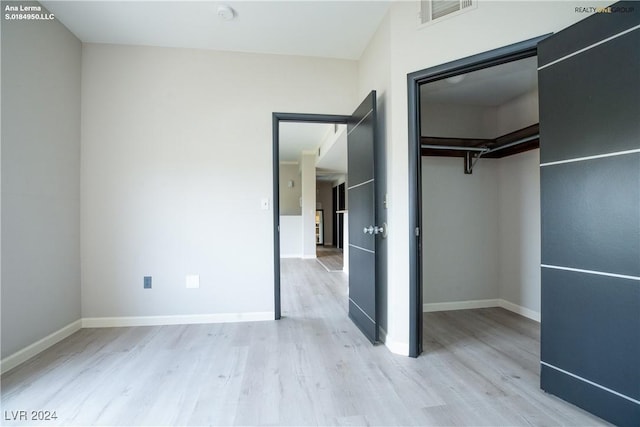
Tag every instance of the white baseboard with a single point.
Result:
(484, 303)
(460, 305)
(298, 256)
(28, 352)
(396, 347)
(115, 322)
(32, 350)
(522, 311)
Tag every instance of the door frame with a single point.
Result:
(509, 53)
(276, 119)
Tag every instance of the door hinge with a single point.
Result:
(417, 231)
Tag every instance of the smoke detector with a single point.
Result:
(226, 13)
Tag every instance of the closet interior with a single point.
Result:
(481, 190)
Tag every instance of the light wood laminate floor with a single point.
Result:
(313, 367)
(330, 257)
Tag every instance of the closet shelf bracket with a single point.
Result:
(472, 157)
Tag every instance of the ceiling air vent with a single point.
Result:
(433, 10)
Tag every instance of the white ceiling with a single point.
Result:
(298, 137)
(332, 29)
(333, 162)
(489, 87)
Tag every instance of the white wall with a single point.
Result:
(40, 181)
(291, 236)
(457, 121)
(481, 238)
(519, 218)
(462, 261)
(519, 210)
(333, 150)
(474, 121)
(518, 113)
(290, 196)
(308, 173)
(460, 230)
(176, 160)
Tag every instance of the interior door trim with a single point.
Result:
(276, 119)
(513, 52)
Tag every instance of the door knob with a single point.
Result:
(374, 229)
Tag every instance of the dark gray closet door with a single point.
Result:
(363, 231)
(589, 83)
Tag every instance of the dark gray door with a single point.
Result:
(589, 82)
(364, 231)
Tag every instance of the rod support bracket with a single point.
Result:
(468, 163)
(471, 158)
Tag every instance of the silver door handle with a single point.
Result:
(374, 229)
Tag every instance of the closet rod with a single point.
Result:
(481, 149)
(511, 144)
(454, 147)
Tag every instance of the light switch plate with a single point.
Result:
(193, 281)
(265, 204)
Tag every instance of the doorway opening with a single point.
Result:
(464, 117)
(308, 163)
(312, 200)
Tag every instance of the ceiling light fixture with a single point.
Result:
(226, 13)
(455, 79)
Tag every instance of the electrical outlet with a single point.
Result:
(147, 282)
(192, 281)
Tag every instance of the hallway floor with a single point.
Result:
(331, 258)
